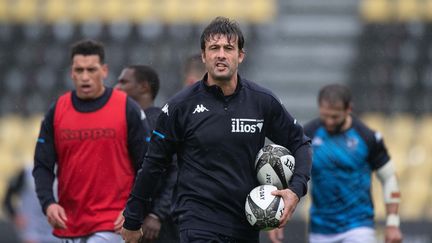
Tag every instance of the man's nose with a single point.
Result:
(85, 76)
(221, 53)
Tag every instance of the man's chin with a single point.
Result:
(333, 131)
(222, 78)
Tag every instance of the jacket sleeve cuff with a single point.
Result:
(131, 224)
(152, 215)
(47, 204)
(135, 211)
(159, 213)
(298, 189)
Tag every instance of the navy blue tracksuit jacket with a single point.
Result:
(216, 139)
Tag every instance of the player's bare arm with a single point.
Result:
(387, 176)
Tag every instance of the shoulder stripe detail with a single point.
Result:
(159, 134)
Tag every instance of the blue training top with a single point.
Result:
(342, 164)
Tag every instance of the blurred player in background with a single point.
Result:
(96, 137)
(276, 235)
(26, 215)
(345, 153)
(141, 83)
(193, 70)
(216, 157)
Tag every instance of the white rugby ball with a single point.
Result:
(274, 165)
(263, 210)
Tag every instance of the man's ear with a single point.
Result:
(350, 108)
(242, 55)
(203, 56)
(144, 87)
(105, 71)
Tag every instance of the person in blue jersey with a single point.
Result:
(141, 83)
(345, 153)
(216, 127)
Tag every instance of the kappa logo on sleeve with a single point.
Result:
(143, 115)
(242, 125)
(165, 109)
(317, 141)
(378, 136)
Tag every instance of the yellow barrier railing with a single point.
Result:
(168, 11)
(382, 11)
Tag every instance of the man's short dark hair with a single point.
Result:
(147, 74)
(334, 93)
(194, 63)
(223, 26)
(87, 48)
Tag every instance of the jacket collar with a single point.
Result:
(216, 90)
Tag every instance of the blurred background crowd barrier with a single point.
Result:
(381, 48)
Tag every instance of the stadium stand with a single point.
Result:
(410, 147)
(35, 36)
(303, 38)
(392, 77)
(394, 56)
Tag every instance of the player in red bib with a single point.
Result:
(95, 137)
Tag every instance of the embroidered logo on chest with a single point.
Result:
(242, 125)
(200, 108)
(352, 143)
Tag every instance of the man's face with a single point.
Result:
(222, 58)
(88, 74)
(128, 83)
(333, 116)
